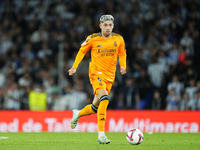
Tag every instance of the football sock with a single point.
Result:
(87, 110)
(101, 133)
(101, 112)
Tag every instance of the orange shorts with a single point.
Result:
(100, 83)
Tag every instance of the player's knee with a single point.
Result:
(104, 97)
(101, 93)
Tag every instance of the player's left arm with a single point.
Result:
(122, 57)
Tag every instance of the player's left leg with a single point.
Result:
(101, 115)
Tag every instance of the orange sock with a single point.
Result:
(87, 110)
(101, 114)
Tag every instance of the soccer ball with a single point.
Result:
(134, 136)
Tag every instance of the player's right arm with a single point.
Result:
(86, 46)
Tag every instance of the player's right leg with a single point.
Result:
(87, 110)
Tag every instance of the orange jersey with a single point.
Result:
(104, 55)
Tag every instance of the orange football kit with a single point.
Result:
(104, 55)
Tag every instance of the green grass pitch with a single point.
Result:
(88, 141)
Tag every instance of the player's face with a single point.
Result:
(106, 28)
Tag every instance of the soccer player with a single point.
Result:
(106, 47)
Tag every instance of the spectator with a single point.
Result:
(25, 98)
(138, 64)
(183, 55)
(166, 45)
(69, 98)
(40, 35)
(194, 102)
(184, 102)
(131, 96)
(25, 80)
(172, 100)
(156, 72)
(156, 101)
(6, 43)
(2, 95)
(79, 96)
(52, 87)
(37, 99)
(57, 103)
(189, 75)
(119, 103)
(2, 80)
(191, 89)
(13, 97)
(173, 54)
(188, 42)
(162, 59)
(44, 52)
(198, 85)
(176, 85)
(144, 87)
(28, 53)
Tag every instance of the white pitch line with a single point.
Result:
(4, 137)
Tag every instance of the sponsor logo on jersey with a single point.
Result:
(106, 50)
(99, 45)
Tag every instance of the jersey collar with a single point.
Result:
(101, 35)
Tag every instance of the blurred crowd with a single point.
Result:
(162, 42)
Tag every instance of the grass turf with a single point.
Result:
(88, 141)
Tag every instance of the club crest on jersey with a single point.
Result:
(115, 43)
(99, 45)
